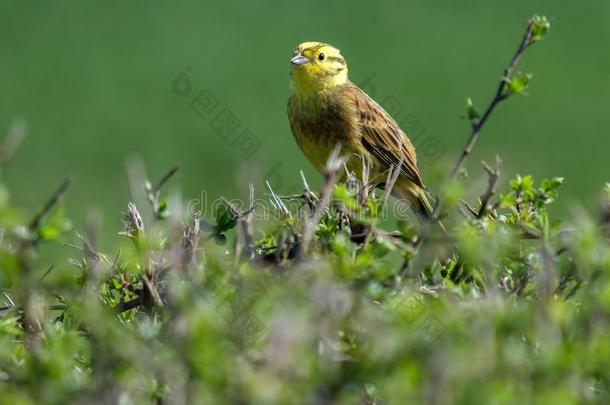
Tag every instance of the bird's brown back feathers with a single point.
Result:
(346, 115)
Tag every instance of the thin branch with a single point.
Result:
(9, 299)
(165, 178)
(501, 94)
(245, 220)
(304, 180)
(494, 175)
(277, 202)
(152, 291)
(126, 306)
(363, 193)
(310, 198)
(49, 270)
(51, 202)
(469, 208)
(393, 174)
(333, 166)
(154, 193)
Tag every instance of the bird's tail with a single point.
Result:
(418, 199)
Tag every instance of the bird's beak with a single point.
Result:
(299, 60)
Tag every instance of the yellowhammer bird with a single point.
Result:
(326, 109)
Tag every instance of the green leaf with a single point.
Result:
(346, 196)
(54, 225)
(548, 185)
(225, 219)
(508, 200)
(527, 181)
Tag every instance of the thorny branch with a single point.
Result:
(134, 228)
(33, 305)
(494, 175)
(333, 166)
(245, 237)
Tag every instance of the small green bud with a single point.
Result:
(471, 111)
(540, 26)
(519, 82)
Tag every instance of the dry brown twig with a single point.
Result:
(245, 234)
(310, 198)
(494, 175)
(277, 202)
(333, 166)
(393, 174)
(151, 290)
(490, 191)
(363, 194)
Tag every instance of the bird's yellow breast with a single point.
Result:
(320, 121)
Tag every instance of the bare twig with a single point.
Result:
(165, 178)
(393, 174)
(363, 193)
(278, 203)
(247, 221)
(351, 182)
(469, 208)
(235, 211)
(245, 238)
(152, 290)
(49, 270)
(310, 198)
(54, 199)
(494, 175)
(304, 180)
(333, 166)
(126, 306)
(190, 241)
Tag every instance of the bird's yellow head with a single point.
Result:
(317, 66)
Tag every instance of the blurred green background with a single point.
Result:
(94, 83)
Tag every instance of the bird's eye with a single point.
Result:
(321, 56)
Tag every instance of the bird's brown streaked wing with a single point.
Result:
(382, 136)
